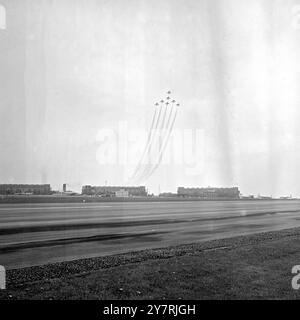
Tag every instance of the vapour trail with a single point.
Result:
(164, 147)
(149, 167)
(149, 139)
(147, 143)
(168, 121)
(153, 138)
(162, 132)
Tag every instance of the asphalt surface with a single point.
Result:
(37, 234)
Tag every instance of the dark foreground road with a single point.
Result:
(257, 266)
(36, 234)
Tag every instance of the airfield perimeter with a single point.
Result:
(150, 254)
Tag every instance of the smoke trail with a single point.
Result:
(157, 142)
(149, 170)
(155, 131)
(163, 131)
(164, 147)
(147, 143)
(169, 118)
(149, 139)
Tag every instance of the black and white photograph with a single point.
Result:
(149, 152)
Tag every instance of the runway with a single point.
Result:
(36, 234)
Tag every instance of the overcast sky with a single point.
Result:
(69, 69)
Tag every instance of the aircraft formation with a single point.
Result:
(163, 120)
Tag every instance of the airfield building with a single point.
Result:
(114, 191)
(37, 189)
(122, 193)
(209, 193)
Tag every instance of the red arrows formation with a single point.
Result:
(162, 124)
